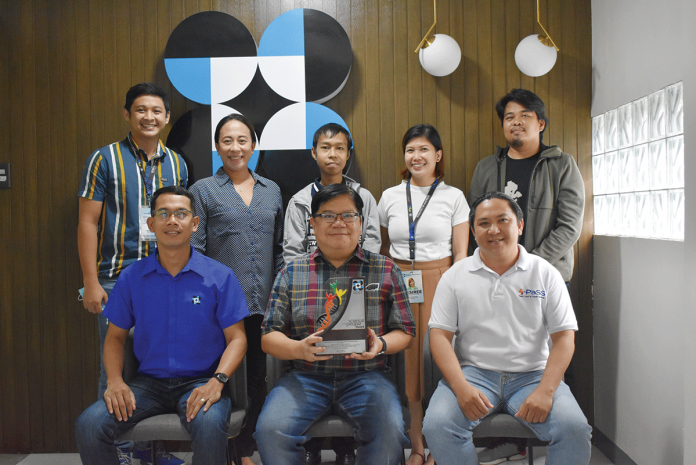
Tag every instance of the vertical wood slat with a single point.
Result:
(472, 148)
(456, 159)
(371, 89)
(6, 336)
(73, 316)
(585, 264)
(68, 65)
(384, 35)
(399, 92)
(15, 422)
(30, 332)
(44, 313)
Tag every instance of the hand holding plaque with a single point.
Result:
(310, 351)
(373, 344)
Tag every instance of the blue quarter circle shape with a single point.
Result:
(217, 161)
(319, 115)
(284, 36)
(191, 77)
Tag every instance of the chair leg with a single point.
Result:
(153, 452)
(530, 451)
(233, 452)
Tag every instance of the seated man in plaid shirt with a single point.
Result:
(353, 386)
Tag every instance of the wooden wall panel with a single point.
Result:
(67, 65)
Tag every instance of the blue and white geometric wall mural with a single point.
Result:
(303, 59)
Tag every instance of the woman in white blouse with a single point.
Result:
(425, 228)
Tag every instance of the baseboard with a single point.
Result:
(611, 450)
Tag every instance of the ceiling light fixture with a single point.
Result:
(535, 55)
(439, 53)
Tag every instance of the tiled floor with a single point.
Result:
(328, 456)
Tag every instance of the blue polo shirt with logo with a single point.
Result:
(178, 320)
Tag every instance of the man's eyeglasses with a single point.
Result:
(348, 217)
(164, 214)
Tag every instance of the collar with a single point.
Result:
(545, 152)
(358, 252)
(523, 261)
(140, 153)
(317, 186)
(195, 264)
(221, 177)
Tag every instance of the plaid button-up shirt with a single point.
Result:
(298, 296)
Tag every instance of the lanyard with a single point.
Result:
(411, 222)
(140, 153)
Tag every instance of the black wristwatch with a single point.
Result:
(384, 345)
(222, 377)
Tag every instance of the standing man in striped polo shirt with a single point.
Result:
(114, 199)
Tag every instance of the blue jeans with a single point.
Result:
(103, 326)
(367, 400)
(448, 430)
(96, 429)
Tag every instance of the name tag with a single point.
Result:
(414, 286)
(145, 234)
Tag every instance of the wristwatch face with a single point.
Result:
(222, 377)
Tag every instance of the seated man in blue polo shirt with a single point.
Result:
(187, 310)
(503, 304)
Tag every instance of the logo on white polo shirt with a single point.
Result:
(533, 294)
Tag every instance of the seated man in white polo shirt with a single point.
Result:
(503, 304)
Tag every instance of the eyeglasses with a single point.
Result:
(347, 217)
(164, 214)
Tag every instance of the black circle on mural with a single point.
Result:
(292, 170)
(328, 55)
(210, 34)
(258, 102)
(190, 138)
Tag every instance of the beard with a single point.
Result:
(516, 143)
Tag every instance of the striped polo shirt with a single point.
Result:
(113, 176)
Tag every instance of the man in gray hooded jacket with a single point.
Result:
(549, 189)
(331, 148)
(545, 181)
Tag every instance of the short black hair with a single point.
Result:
(495, 195)
(330, 130)
(529, 100)
(176, 190)
(145, 88)
(334, 190)
(239, 117)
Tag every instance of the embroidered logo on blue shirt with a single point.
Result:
(196, 300)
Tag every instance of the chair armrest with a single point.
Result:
(431, 372)
(275, 369)
(130, 363)
(237, 386)
(397, 367)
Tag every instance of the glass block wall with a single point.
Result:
(638, 167)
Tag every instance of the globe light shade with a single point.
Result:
(534, 58)
(442, 56)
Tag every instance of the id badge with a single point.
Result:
(414, 285)
(145, 234)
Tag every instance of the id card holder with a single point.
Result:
(414, 285)
(145, 234)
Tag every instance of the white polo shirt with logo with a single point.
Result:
(503, 323)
